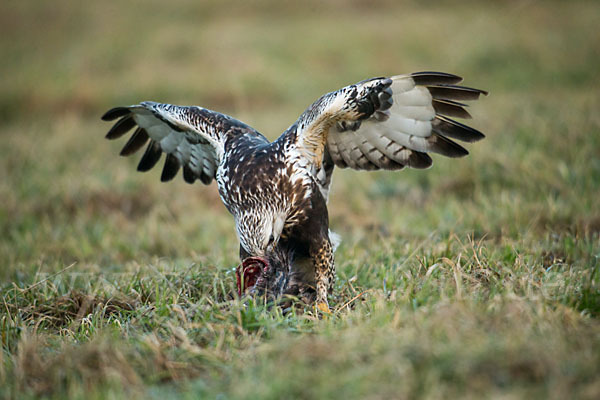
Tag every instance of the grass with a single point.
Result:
(477, 278)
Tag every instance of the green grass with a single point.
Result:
(477, 278)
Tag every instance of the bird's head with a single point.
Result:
(259, 231)
(266, 270)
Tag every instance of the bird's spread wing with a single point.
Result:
(191, 137)
(386, 123)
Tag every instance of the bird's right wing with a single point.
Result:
(192, 137)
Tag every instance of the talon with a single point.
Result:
(323, 307)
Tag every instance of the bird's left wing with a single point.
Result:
(384, 123)
(192, 137)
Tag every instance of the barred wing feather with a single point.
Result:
(412, 120)
(191, 137)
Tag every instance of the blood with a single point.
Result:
(248, 273)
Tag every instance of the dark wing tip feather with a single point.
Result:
(453, 92)
(205, 178)
(121, 127)
(446, 147)
(115, 113)
(170, 168)
(448, 127)
(188, 175)
(450, 109)
(433, 78)
(453, 102)
(150, 157)
(419, 160)
(135, 142)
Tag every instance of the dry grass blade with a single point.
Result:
(47, 278)
(352, 300)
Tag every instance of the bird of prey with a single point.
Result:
(277, 191)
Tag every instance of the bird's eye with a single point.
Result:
(271, 239)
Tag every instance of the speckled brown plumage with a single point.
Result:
(277, 191)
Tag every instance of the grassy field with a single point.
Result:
(477, 278)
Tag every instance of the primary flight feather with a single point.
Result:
(277, 191)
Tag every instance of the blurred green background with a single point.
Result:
(524, 204)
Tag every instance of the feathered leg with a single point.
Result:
(323, 261)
